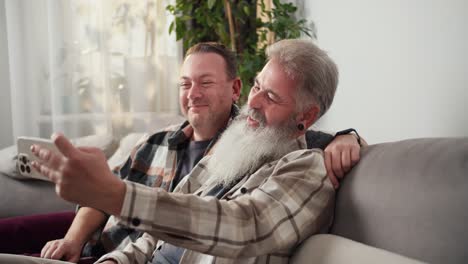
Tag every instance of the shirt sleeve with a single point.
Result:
(140, 251)
(295, 201)
(317, 139)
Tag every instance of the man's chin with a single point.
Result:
(195, 120)
(199, 120)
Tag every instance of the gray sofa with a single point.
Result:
(405, 202)
(408, 197)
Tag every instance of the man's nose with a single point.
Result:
(255, 100)
(194, 92)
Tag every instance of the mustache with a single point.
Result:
(253, 114)
(197, 102)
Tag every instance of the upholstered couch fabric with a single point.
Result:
(409, 197)
(331, 249)
(27, 197)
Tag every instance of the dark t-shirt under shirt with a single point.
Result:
(170, 254)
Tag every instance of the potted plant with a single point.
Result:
(246, 26)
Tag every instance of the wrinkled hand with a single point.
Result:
(81, 175)
(67, 250)
(340, 157)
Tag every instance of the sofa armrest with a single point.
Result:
(331, 249)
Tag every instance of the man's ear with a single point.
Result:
(308, 116)
(236, 89)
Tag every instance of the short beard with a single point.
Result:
(241, 150)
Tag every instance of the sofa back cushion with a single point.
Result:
(409, 197)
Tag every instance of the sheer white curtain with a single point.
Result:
(90, 67)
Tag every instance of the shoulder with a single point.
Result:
(317, 139)
(161, 136)
(172, 128)
(303, 160)
(303, 154)
(149, 143)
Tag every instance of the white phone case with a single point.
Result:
(25, 156)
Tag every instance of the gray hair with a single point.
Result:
(316, 73)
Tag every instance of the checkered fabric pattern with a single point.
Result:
(262, 219)
(155, 163)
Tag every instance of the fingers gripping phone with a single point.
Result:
(25, 156)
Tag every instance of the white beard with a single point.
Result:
(241, 150)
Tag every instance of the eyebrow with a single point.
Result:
(201, 76)
(268, 90)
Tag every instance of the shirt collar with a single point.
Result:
(185, 131)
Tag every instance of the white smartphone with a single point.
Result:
(25, 156)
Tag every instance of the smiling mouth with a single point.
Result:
(196, 107)
(252, 122)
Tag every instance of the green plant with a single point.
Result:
(246, 26)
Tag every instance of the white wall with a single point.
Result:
(6, 132)
(403, 66)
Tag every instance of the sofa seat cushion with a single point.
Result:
(409, 197)
(331, 249)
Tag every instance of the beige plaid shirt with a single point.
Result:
(262, 219)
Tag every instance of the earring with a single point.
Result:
(300, 126)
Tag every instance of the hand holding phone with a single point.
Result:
(25, 156)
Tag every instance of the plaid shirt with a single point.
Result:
(262, 219)
(155, 163)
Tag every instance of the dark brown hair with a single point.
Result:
(218, 48)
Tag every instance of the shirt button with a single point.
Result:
(243, 190)
(136, 221)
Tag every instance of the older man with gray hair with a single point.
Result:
(253, 200)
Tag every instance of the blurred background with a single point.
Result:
(111, 67)
(403, 66)
(85, 67)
